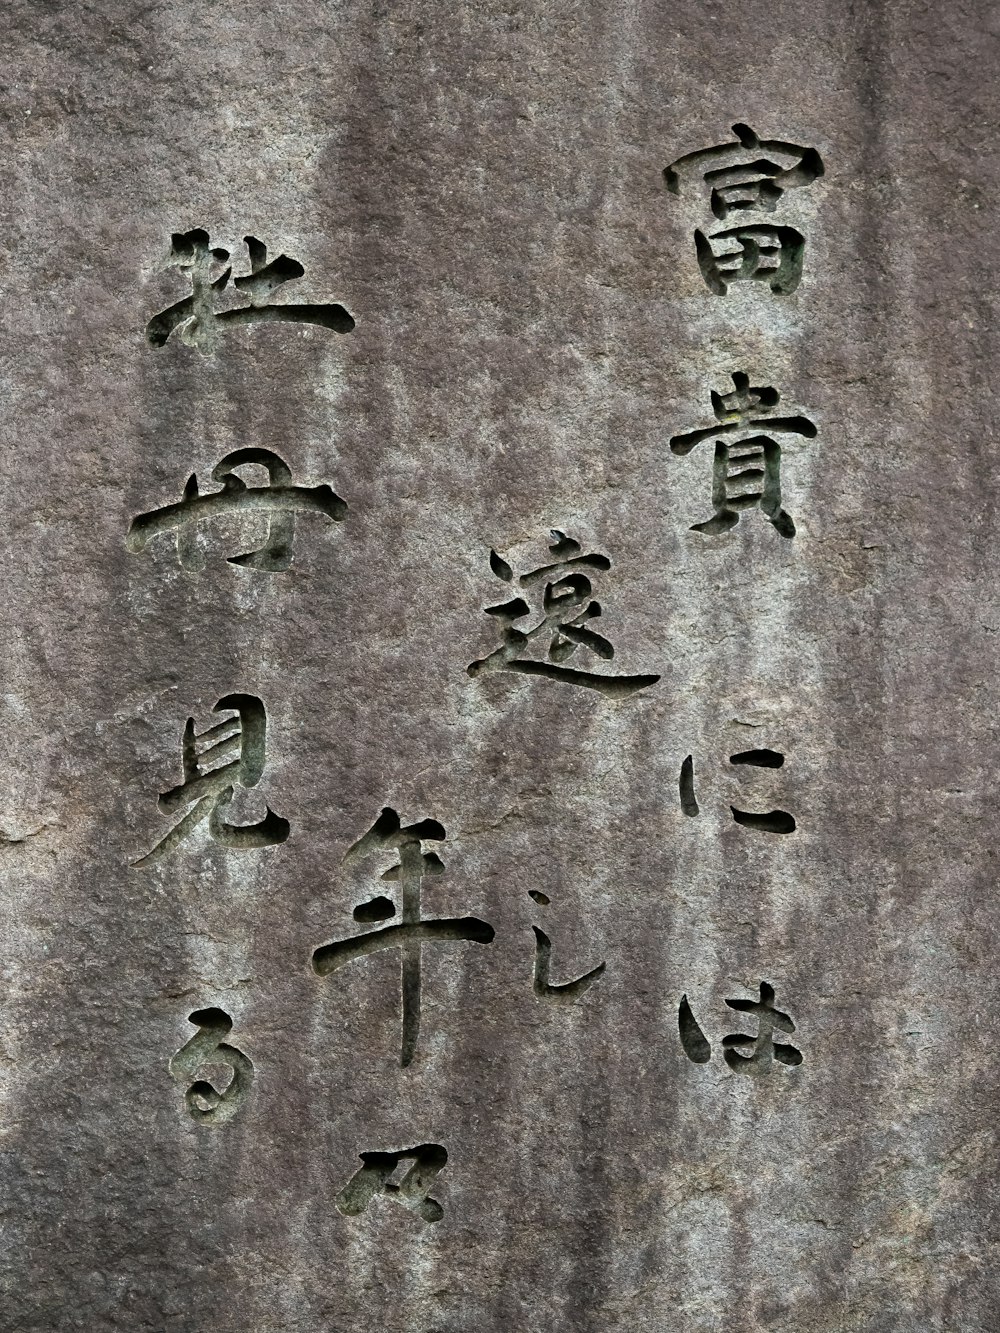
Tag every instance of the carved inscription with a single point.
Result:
(424, 1163)
(747, 467)
(564, 626)
(547, 628)
(762, 1046)
(773, 821)
(412, 932)
(569, 991)
(199, 319)
(279, 501)
(217, 1075)
(749, 175)
(214, 763)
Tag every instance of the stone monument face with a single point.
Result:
(497, 822)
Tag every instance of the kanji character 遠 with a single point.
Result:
(565, 622)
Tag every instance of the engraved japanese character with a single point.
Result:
(747, 467)
(197, 318)
(278, 501)
(412, 932)
(764, 1049)
(565, 623)
(214, 762)
(746, 176)
(568, 991)
(413, 1191)
(771, 821)
(200, 1061)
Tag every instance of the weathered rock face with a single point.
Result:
(194, 1056)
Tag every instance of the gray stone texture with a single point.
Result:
(480, 185)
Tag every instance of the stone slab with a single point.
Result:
(480, 186)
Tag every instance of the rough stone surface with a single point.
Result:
(480, 184)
